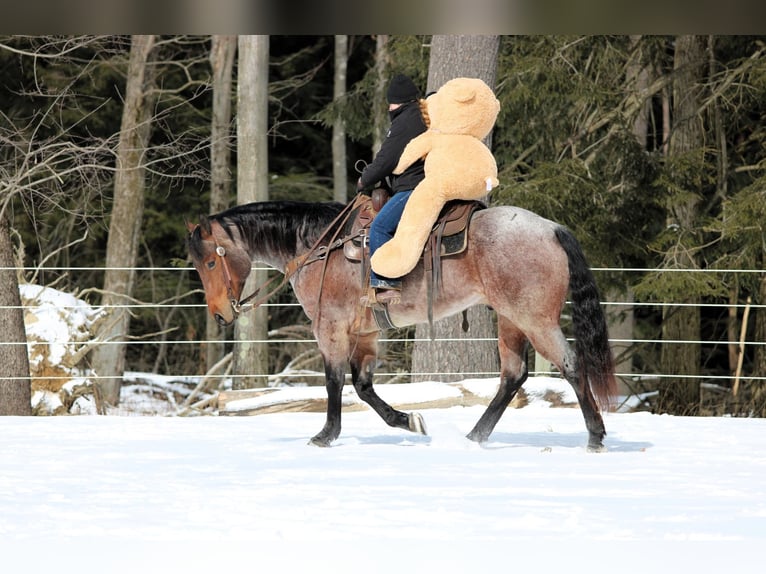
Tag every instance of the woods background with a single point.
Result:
(650, 148)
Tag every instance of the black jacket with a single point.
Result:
(406, 123)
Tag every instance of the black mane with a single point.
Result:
(278, 227)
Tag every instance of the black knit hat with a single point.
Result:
(401, 90)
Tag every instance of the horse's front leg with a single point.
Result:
(363, 358)
(334, 376)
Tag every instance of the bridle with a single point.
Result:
(237, 305)
(221, 252)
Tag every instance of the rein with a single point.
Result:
(315, 253)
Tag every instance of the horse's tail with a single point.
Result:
(594, 357)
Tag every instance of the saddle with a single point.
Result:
(448, 237)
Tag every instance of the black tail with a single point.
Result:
(594, 357)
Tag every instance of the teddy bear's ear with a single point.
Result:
(464, 94)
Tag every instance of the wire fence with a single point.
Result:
(181, 341)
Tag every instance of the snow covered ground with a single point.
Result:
(127, 493)
(247, 494)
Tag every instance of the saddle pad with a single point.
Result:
(451, 228)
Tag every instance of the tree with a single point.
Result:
(379, 115)
(452, 57)
(44, 172)
(682, 323)
(251, 330)
(339, 175)
(108, 358)
(738, 125)
(621, 318)
(15, 389)
(222, 51)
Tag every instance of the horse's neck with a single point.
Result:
(277, 259)
(280, 252)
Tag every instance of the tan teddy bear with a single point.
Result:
(457, 166)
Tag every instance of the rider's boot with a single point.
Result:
(383, 292)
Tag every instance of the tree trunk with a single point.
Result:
(638, 78)
(15, 389)
(251, 359)
(380, 112)
(222, 51)
(621, 318)
(339, 172)
(108, 358)
(681, 395)
(732, 326)
(453, 57)
(757, 389)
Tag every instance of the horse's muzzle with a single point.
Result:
(223, 321)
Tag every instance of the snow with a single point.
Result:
(158, 493)
(175, 490)
(59, 328)
(56, 318)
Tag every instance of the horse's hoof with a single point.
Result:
(320, 442)
(476, 437)
(416, 423)
(597, 448)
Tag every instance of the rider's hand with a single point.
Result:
(360, 188)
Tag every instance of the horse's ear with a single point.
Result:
(190, 226)
(204, 223)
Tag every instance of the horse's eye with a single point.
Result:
(211, 264)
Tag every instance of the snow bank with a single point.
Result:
(60, 332)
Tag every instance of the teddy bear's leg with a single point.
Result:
(399, 256)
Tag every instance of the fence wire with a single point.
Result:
(200, 306)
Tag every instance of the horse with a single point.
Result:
(518, 263)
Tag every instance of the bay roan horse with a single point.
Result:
(518, 263)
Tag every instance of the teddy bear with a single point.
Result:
(458, 165)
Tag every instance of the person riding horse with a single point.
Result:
(406, 112)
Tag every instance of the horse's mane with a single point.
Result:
(277, 227)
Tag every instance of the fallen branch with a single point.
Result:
(187, 405)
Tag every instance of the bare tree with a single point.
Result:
(15, 389)
(108, 358)
(379, 115)
(452, 57)
(43, 171)
(251, 330)
(339, 173)
(222, 52)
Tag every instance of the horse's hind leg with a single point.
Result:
(594, 422)
(362, 367)
(554, 347)
(512, 346)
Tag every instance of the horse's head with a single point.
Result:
(223, 266)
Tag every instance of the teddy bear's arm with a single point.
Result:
(417, 148)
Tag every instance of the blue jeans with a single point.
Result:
(382, 229)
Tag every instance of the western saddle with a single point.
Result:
(448, 237)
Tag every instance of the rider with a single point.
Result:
(408, 120)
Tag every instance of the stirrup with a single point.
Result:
(386, 296)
